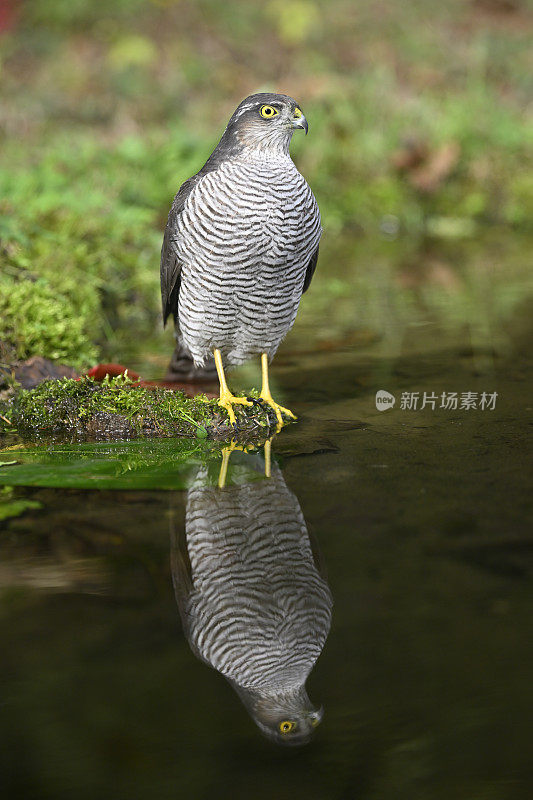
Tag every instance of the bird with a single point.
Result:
(254, 603)
(241, 246)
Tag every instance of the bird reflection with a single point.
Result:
(253, 603)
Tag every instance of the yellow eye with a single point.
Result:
(268, 111)
(286, 726)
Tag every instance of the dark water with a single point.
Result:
(415, 522)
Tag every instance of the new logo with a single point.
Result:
(384, 400)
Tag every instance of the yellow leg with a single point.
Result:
(227, 399)
(268, 458)
(226, 452)
(267, 397)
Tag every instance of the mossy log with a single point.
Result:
(118, 408)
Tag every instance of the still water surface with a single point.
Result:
(374, 592)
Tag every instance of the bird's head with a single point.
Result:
(264, 122)
(286, 717)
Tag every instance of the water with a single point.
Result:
(415, 522)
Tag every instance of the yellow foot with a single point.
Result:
(228, 400)
(226, 452)
(278, 410)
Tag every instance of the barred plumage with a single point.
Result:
(249, 231)
(241, 242)
(257, 610)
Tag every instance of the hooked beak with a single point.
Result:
(299, 121)
(315, 717)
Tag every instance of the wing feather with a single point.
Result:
(170, 264)
(310, 270)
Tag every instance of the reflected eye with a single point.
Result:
(268, 111)
(286, 726)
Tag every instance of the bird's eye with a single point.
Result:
(268, 111)
(286, 726)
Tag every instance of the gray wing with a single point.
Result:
(181, 578)
(310, 270)
(170, 264)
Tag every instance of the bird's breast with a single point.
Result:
(249, 212)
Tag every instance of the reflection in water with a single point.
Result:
(254, 605)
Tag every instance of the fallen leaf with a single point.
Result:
(429, 175)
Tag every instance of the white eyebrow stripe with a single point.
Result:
(245, 108)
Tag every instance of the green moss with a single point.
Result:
(35, 318)
(117, 408)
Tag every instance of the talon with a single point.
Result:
(267, 398)
(227, 399)
(277, 409)
(230, 411)
(226, 453)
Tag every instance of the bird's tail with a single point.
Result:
(182, 368)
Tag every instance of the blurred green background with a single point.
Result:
(417, 153)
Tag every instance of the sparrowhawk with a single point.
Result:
(241, 244)
(253, 599)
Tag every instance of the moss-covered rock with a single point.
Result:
(118, 408)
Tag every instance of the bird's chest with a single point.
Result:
(256, 207)
(276, 199)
